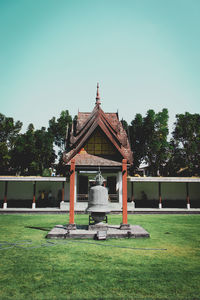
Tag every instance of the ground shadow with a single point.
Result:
(39, 228)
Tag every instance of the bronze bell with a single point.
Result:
(98, 204)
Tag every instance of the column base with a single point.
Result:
(4, 205)
(71, 226)
(133, 203)
(188, 205)
(160, 205)
(33, 205)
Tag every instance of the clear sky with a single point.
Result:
(145, 54)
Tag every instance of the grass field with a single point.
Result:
(32, 268)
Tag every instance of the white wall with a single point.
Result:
(169, 191)
(24, 190)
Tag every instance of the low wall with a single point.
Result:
(20, 194)
(146, 194)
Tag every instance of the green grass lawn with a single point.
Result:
(113, 269)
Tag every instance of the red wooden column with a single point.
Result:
(5, 195)
(124, 194)
(72, 185)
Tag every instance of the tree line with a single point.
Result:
(33, 152)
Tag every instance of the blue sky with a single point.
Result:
(145, 54)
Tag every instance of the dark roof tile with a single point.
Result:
(109, 124)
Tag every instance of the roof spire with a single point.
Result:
(98, 96)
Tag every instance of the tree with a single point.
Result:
(9, 130)
(186, 145)
(136, 136)
(44, 151)
(4, 158)
(60, 128)
(23, 153)
(156, 144)
(33, 152)
(125, 125)
(148, 138)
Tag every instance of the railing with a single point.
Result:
(82, 197)
(113, 197)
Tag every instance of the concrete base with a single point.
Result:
(160, 205)
(5, 205)
(33, 205)
(82, 232)
(188, 205)
(70, 226)
(125, 226)
(100, 226)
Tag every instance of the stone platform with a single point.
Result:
(110, 231)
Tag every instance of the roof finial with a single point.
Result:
(98, 96)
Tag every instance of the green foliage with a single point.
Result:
(185, 155)
(137, 140)
(111, 269)
(59, 129)
(9, 131)
(148, 138)
(4, 157)
(156, 144)
(46, 173)
(33, 152)
(125, 125)
(45, 154)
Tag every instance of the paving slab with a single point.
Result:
(82, 232)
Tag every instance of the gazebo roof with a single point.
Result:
(85, 159)
(109, 124)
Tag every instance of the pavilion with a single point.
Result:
(98, 141)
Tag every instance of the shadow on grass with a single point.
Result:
(39, 228)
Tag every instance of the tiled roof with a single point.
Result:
(85, 159)
(111, 126)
